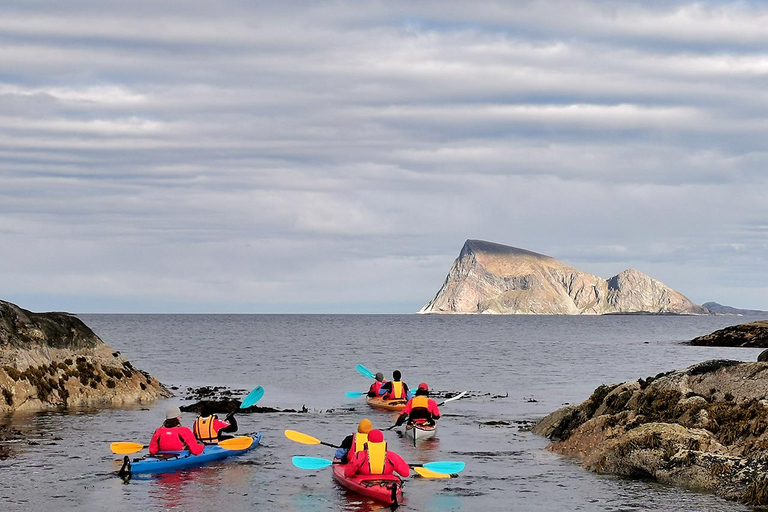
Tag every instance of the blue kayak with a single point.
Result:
(171, 461)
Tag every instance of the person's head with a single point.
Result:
(379, 376)
(206, 410)
(423, 389)
(172, 417)
(364, 426)
(375, 436)
(396, 375)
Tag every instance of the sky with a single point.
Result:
(333, 157)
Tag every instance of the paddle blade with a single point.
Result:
(354, 394)
(237, 443)
(124, 448)
(446, 466)
(430, 474)
(300, 437)
(310, 462)
(253, 397)
(365, 372)
(453, 398)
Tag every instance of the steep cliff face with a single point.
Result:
(496, 279)
(53, 360)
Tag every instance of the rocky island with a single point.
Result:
(492, 278)
(53, 360)
(703, 428)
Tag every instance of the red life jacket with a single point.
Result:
(397, 392)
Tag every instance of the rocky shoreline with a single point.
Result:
(750, 335)
(51, 361)
(703, 428)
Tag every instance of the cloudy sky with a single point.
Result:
(262, 156)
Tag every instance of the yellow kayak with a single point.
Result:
(389, 405)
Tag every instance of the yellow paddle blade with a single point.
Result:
(300, 437)
(124, 448)
(426, 473)
(237, 443)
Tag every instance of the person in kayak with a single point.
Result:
(354, 443)
(173, 437)
(209, 429)
(375, 459)
(376, 386)
(420, 408)
(394, 389)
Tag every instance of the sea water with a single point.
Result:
(517, 369)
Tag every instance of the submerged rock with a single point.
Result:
(702, 428)
(752, 335)
(492, 278)
(53, 360)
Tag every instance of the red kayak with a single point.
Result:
(384, 488)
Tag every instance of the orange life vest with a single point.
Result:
(420, 401)
(358, 441)
(397, 390)
(204, 430)
(377, 457)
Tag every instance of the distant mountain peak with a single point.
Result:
(492, 278)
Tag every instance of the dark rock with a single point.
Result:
(751, 335)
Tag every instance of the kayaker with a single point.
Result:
(376, 386)
(354, 443)
(173, 437)
(394, 389)
(209, 429)
(420, 408)
(375, 459)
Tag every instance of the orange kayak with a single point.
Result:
(389, 405)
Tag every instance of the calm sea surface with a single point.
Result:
(518, 369)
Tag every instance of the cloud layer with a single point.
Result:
(334, 156)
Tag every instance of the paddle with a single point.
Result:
(124, 448)
(453, 398)
(424, 472)
(252, 397)
(441, 403)
(355, 394)
(302, 438)
(365, 372)
(445, 467)
(236, 443)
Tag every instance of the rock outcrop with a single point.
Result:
(497, 279)
(53, 360)
(702, 428)
(752, 335)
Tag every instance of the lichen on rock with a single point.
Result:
(53, 360)
(702, 428)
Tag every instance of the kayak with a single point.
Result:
(420, 431)
(166, 462)
(389, 405)
(384, 488)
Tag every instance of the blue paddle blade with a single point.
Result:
(448, 467)
(310, 462)
(354, 394)
(253, 397)
(365, 372)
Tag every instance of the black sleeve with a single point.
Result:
(232, 424)
(347, 443)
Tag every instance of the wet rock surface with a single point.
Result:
(752, 335)
(53, 360)
(702, 428)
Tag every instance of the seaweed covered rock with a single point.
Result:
(704, 428)
(752, 335)
(53, 360)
